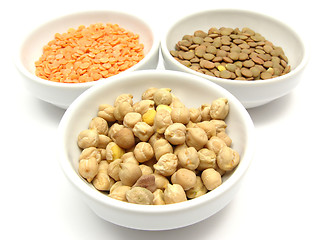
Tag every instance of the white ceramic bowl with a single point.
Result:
(62, 94)
(193, 91)
(250, 93)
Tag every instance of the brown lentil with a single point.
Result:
(246, 54)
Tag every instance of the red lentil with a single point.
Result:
(89, 53)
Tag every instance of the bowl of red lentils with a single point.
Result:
(62, 58)
(255, 57)
(156, 149)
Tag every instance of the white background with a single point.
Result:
(279, 198)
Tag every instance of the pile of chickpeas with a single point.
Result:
(156, 151)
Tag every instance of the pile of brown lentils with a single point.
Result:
(231, 54)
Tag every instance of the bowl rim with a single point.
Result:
(19, 65)
(99, 197)
(236, 83)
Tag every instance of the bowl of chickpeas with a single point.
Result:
(63, 57)
(255, 57)
(156, 149)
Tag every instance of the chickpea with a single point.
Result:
(162, 120)
(131, 118)
(196, 137)
(99, 124)
(114, 169)
(88, 168)
(139, 195)
(114, 129)
(88, 138)
(129, 157)
(219, 109)
(161, 147)
(102, 181)
(189, 158)
(143, 131)
(180, 115)
(167, 164)
(154, 138)
(157, 151)
(211, 178)
(91, 152)
(165, 107)
(106, 112)
(176, 133)
(103, 141)
(103, 166)
(224, 136)
(158, 197)
(227, 158)
(103, 153)
(205, 112)
(148, 94)
(195, 115)
(146, 181)
(208, 127)
(143, 106)
(215, 144)
(143, 152)
(148, 116)
(162, 96)
(160, 181)
(185, 177)
(113, 151)
(115, 185)
(198, 190)
(220, 125)
(174, 194)
(119, 193)
(123, 98)
(146, 170)
(121, 110)
(129, 173)
(207, 159)
(124, 138)
(180, 147)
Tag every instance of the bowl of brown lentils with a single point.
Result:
(255, 57)
(156, 150)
